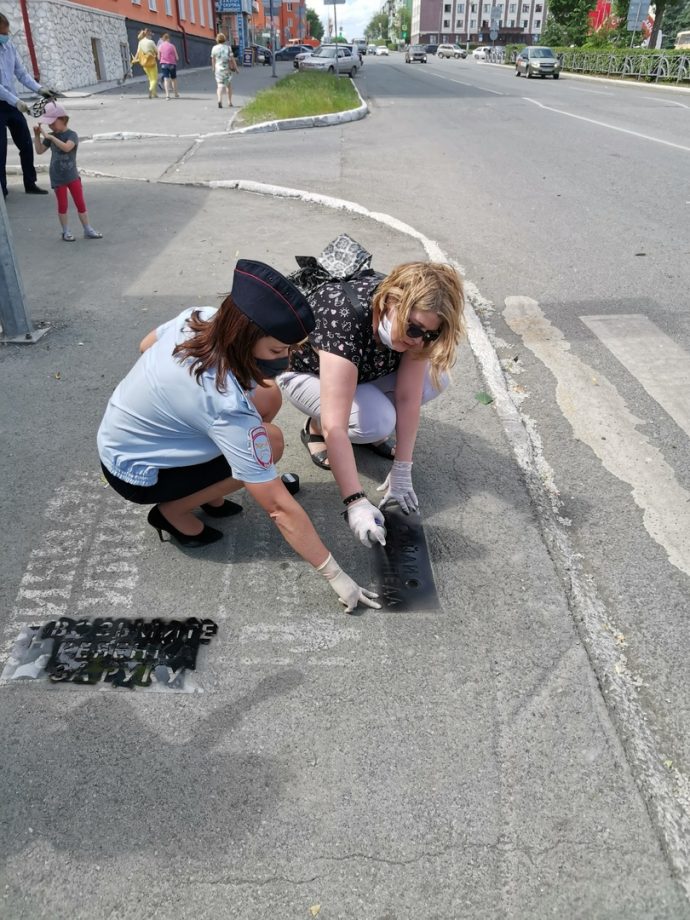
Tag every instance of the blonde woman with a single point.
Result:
(147, 57)
(381, 348)
(222, 66)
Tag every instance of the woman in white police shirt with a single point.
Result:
(189, 425)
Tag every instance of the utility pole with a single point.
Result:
(14, 316)
(273, 40)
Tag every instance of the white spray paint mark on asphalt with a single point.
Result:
(600, 419)
(85, 565)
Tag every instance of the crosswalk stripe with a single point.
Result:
(654, 359)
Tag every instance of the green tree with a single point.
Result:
(405, 23)
(315, 24)
(676, 19)
(377, 28)
(567, 23)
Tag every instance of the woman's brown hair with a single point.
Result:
(224, 344)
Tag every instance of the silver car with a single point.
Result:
(330, 59)
(537, 61)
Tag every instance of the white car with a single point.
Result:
(331, 59)
(481, 53)
(381, 49)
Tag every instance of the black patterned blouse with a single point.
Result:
(342, 330)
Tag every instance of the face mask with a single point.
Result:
(4, 39)
(386, 331)
(271, 369)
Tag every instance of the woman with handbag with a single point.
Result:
(147, 58)
(381, 348)
(223, 65)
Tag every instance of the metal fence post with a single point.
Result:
(15, 323)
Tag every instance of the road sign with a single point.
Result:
(496, 12)
(637, 13)
(493, 35)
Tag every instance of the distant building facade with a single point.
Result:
(72, 44)
(444, 21)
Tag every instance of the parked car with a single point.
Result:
(415, 53)
(381, 50)
(371, 49)
(262, 54)
(331, 59)
(537, 61)
(481, 53)
(451, 51)
(431, 49)
(290, 52)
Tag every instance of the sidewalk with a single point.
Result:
(459, 764)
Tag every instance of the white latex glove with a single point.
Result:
(349, 592)
(22, 106)
(366, 522)
(47, 92)
(398, 487)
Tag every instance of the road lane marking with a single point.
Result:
(600, 418)
(464, 83)
(667, 101)
(594, 92)
(604, 124)
(655, 360)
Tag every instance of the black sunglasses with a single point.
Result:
(426, 335)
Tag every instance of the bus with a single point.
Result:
(683, 39)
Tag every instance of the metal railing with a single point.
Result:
(671, 68)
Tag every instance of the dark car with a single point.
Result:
(431, 49)
(415, 53)
(290, 52)
(262, 54)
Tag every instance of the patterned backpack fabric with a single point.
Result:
(344, 259)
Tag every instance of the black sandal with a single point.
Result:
(384, 449)
(320, 457)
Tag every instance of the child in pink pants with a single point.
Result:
(52, 133)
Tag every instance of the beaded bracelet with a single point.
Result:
(354, 497)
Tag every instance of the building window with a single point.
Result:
(460, 8)
(524, 23)
(152, 6)
(538, 8)
(446, 8)
(181, 9)
(525, 7)
(168, 8)
(192, 11)
(473, 8)
(537, 23)
(446, 24)
(210, 14)
(136, 2)
(513, 7)
(473, 23)
(512, 23)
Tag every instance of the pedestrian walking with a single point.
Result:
(381, 348)
(168, 58)
(51, 133)
(12, 111)
(223, 65)
(147, 58)
(192, 421)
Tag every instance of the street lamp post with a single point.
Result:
(273, 40)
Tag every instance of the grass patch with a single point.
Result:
(301, 94)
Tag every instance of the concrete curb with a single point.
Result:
(308, 121)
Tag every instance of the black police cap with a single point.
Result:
(268, 299)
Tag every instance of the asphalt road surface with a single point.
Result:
(525, 753)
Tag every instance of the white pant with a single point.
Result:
(372, 417)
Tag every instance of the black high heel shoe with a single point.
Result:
(159, 523)
(227, 509)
